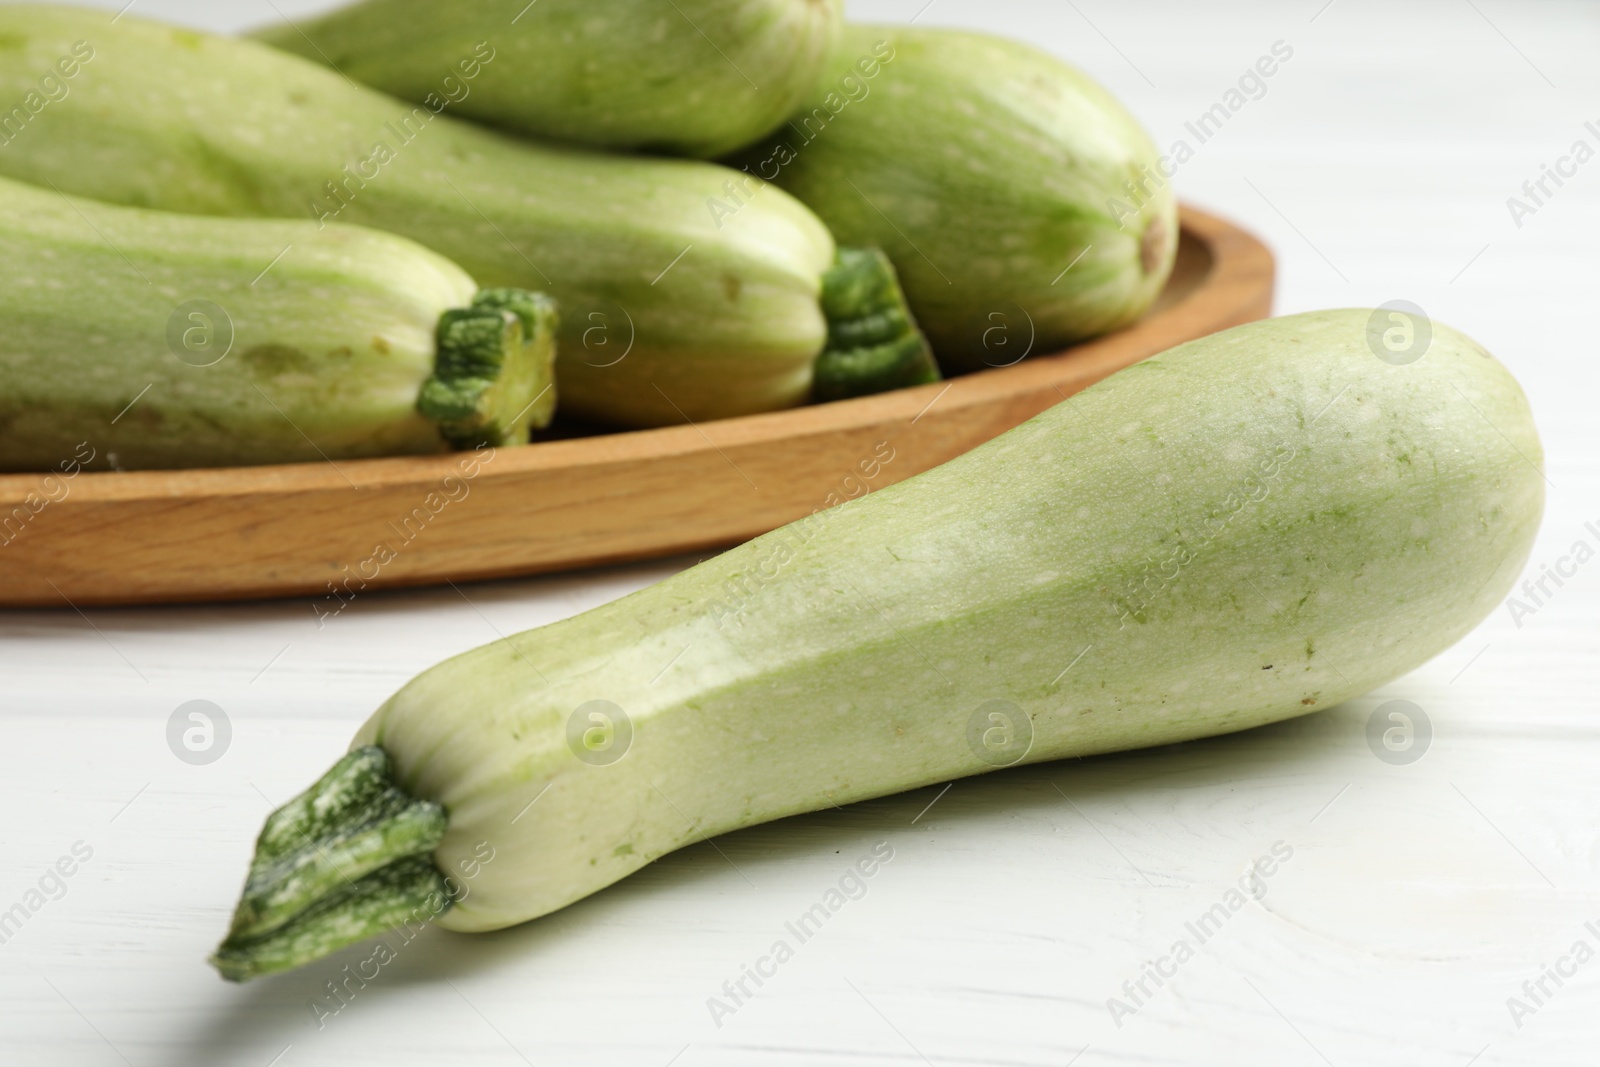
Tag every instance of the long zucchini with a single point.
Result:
(163, 340)
(669, 312)
(1249, 527)
(1023, 206)
(691, 77)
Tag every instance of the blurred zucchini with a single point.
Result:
(690, 77)
(1020, 202)
(672, 308)
(160, 340)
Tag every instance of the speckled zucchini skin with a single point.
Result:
(691, 77)
(1020, 202)
(669, 311)
(1249, 527)
(136, 338)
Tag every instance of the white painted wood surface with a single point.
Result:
(1418, 898)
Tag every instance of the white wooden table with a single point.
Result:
(1418, 898)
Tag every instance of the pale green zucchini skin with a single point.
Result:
(1249, 527)
(669, 311)
(690, 77)
(144, 339)
(994, 176)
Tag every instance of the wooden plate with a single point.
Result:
(328, 531)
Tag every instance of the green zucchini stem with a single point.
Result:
(874, 344)
(346, 859)
(494, 369)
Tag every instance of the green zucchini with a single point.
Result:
(164, 340)
(690, 77)
(1246, 528)
(670, 310)
(1024, 208)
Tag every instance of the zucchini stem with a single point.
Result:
(346, 859)
(874, 344)
(494, 369)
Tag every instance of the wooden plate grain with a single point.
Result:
(328, 531)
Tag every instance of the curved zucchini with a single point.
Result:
(162, 340)
(670, 309)
(691, 77)
(1246, 528)
(1021, 203)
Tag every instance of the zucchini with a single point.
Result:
(691, 77)
(1024, 208)
(670, 311)
(163, 340)
(1249, 527)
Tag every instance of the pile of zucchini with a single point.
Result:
(214, 251)
(640, 213)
